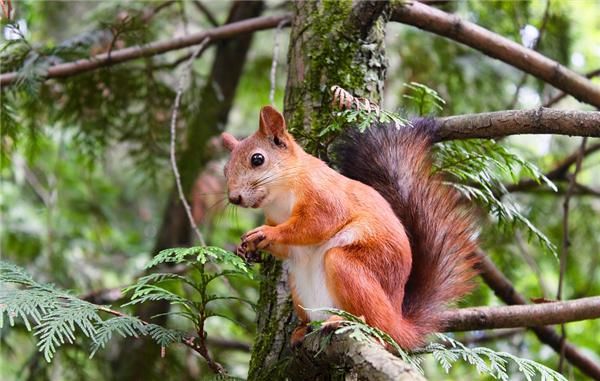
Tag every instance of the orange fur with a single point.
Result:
(311, 211)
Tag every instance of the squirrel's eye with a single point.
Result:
(257, 159)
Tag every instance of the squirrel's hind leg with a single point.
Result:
(355, 289)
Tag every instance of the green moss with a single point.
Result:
(336, 56)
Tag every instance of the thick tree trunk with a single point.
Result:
(137, 357)
(331, 43)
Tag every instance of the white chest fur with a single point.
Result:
(307, 267)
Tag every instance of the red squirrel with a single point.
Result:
(384, 240)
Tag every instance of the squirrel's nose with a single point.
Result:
(235, 199)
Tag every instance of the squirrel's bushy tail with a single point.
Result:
(396, 162)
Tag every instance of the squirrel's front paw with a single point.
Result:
(257, 239)
(253, 241)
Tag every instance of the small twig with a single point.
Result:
(566, 243)
(204, 10)
(275, 59)
(182, 197)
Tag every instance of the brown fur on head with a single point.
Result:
(251, 183)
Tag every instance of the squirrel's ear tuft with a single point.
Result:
(272, 124)
(229, 141)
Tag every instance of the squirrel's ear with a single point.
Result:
(229, 141)
(272, 125)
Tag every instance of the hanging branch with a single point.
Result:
(451, 26)
(127, 54)
(182, 197)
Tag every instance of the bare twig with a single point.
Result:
(566, 243)
(127, 54)
(206, 12)
(275, 59)
(182, 196)
(453, 27)
(581, 189)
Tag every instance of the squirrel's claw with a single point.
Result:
(249, 256)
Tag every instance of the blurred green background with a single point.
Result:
(85, 175)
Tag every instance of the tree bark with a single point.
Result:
(215, 100)
(514, 122)
(356, 360)
(331, 43)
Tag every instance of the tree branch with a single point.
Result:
(531, 315)
(513, 122)
(496, 46)
(504, 290)
(127, 54)
(363, 360)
